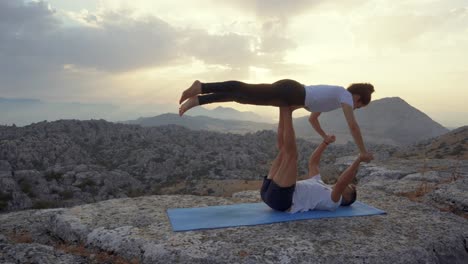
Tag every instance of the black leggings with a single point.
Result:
(280, 93)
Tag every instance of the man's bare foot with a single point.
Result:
(194, 89)
(190, 103)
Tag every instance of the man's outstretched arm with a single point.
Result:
(345, 179)
(348, 175)
(314, 160)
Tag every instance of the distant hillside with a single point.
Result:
(24, 111)
(448, 146)
(225, 113)
(203, 123)
(21, 111)
(387, 121)
(19, 100)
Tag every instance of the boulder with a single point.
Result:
(36, 253)
(453, 196)
(4, 166)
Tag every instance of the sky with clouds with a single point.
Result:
(147, 52)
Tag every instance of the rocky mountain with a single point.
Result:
(68, 162)
(389, 121)
(385, 121)
(203, 123)
(450, 145)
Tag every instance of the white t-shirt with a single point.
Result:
(325, 98)
(313, 194)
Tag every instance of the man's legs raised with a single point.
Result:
(286, 174)
(279, 144)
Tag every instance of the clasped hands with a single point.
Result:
(363, 157)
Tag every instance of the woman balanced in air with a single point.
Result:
(314, 98)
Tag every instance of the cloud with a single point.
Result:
(384, 31)
(118, 43)
(274, 38)
(286, 10)
(275, 17)
(115, 41)
(411, 25)
(41, 55)
(272, 8)
(230, 49)
(25, 18)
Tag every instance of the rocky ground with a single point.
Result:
(89, 164)
(426, 204)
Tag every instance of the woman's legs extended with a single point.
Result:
(280, 93)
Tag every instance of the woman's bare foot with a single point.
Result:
(194, 89)
(190, 103)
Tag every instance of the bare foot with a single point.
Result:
(190, 103)
(194, 89)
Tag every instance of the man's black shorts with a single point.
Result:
(278, 198)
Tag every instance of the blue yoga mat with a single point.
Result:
(185, 219)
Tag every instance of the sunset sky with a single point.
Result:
(147, 51)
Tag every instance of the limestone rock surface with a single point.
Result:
(139, 229)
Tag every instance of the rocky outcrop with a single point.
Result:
(138, 230)
(426, 222)
(438, 183)
(36, 253)
(452, 145)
